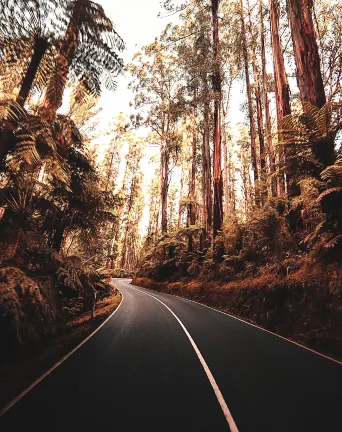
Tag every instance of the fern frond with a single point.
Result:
(334, 242)
(328, 192)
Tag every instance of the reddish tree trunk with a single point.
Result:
(218, 181)
(206, 164)
(306, 53)
(309, 76)
(258, 104)
(192, 189)
(268, 124)
(226, 163)
(249, 96)
(282, 91)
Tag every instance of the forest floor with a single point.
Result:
(304, 310)
(27, 365)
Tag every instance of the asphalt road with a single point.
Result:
(141, 372)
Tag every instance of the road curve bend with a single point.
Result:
(162, 363)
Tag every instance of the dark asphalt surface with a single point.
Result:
(141, 373)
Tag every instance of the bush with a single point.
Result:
(28, 309)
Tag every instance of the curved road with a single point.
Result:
(143, 372)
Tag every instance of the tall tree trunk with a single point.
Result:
(58, 236)
(39, 50)
(127, 227)
(165, 158)
(306, 53)
(226, 165)
(309, 76)
(260, 121)
(192, 189)
(123, 261)
(192, 214)
(181, 204)
(56, 86)
(268, 124)
(282, 90)
(249, 96)
(218, 181)
(206, 166)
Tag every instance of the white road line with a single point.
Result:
(252, 325)
(222, 402)
(29, 388)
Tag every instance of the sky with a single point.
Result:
(137, 22)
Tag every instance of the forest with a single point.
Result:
(253, 226)
(241, 99)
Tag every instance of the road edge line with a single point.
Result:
(251, 324)
(218, 394)
(52, 368)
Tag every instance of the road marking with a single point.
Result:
(250, 324)
(222, 402)
(30, 387)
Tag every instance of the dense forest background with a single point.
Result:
(244, 214)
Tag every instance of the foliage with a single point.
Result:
(53, 203)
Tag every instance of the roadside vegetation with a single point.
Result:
(254, 226)
(57, 208)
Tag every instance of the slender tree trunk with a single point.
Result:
(165, 158)
(56, 86)
(206, 167)
(123, 261)
(127, 227)
(192, 214)
(218, 181)
(58, 237)
(282, 90)
(226, 184)
(39, 49)
(180, 207)
(268, 124)
(226, 167)
(110, 168)
(192, 189)
(309, 76)
(260, 121)
(249, 96)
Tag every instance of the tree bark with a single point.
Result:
(39, 50)
(226, 153)
(192, 189)
(206, 164)
(268, 124)
(191, 220)
(309, 76)
(282, 90)
(306, 53)
(127, 227)
(165, 158)
(260, 193)
(180, 204)
(58, 236)
(218, 181)
(249, 96)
